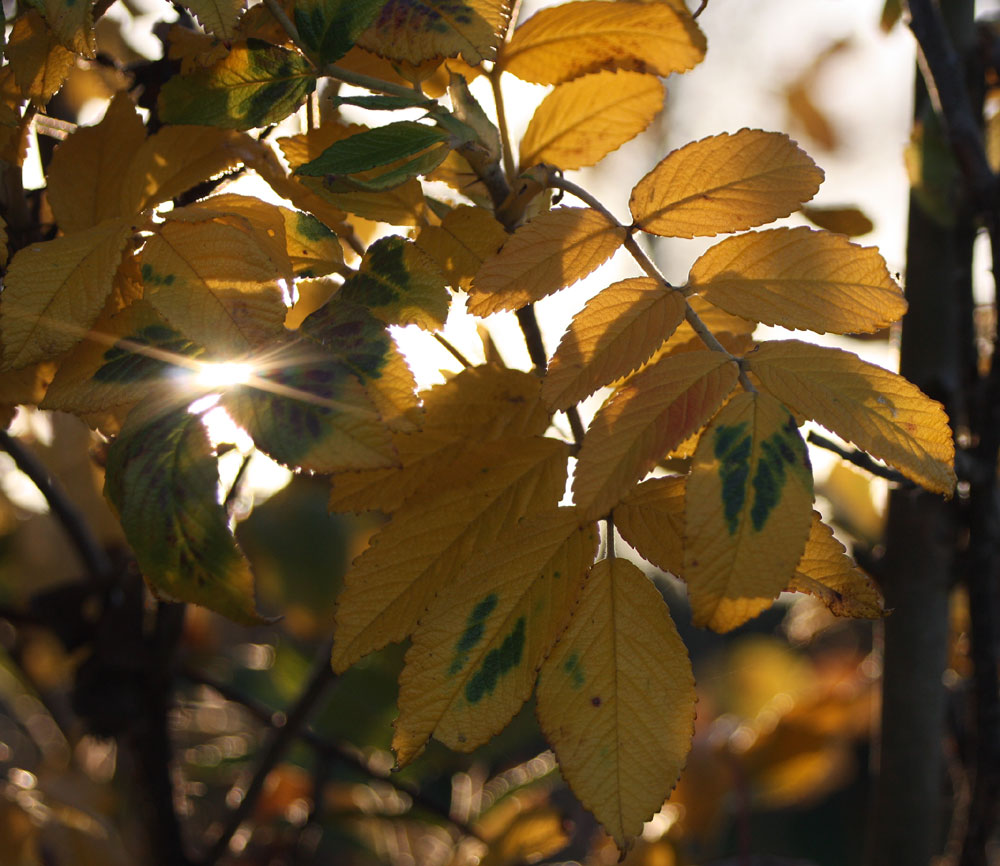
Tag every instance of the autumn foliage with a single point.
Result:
(506, 586)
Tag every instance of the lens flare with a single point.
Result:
(221, 376)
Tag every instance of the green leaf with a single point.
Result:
(400, 284)
(373, 148)
(163, 480)
(381, 103)
(254, 85)
(422, 163)
(330, 28)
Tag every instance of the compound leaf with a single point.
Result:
(553, 251)
(582, 121)
(616, 699)
(800, 278)
(749, 506)
(615, 333)
(724, 183)
(574, 39)
(878, 411)
(476, 652)
(652, 413)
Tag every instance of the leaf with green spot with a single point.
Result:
(400, 284)
(163, 480)
(749, 507)
(616, 699)
(373, 148)
(254, 85)
(536, 572)
(329, 28)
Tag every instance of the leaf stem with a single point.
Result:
(508, 156)
(609, 541)
(454, 352)
(858, 458)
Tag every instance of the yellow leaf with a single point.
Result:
(614, 334)
(415, 32)
(218, 17)
(749, 506)
(724, 183)
(73, 24)
(582, 121)
(878, 411)
(479, 404)
(86, 174)
(827, 572)
(553, 251)
(530, 837)
(53, 291)
(477, 650)
(653, 412)
(850, 221)
(616, 699)
(567, 41)
(125, 353)
(311, 246)
(482, 494)
(312, 294)
(800, 278)
(40, 63)
(651, 519)
(466, 238)
(177, 158)
(213, 283)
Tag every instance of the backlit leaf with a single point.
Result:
(86, 173)
(373, 148)
(466, 238)
(418, 30)
(878, 411)
(827, 572)
(614, 334)
(530, 837)
(651, 519)
(800, 278)
(218, 17)
(480, 404)
(213, 283)
(126, 352)
(616, 699)
(162, 478)
(582, 121)
(39, 62)
(653, 412)
(476, 653)
(554, 250)
(724, 183)
(312, 247)
(574, 39)
(400, 284)
(175, 159)
(749, 507)
(478, 497)
(249, 87)
(330, 27)
(850, 221)
(72, 22)
(54, 290)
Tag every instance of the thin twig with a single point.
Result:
(508, 156)
(858, 458)
(700, 9)
(458, 356)
(575, 424)
(234, 488)
(278, 744)
(87, 547)
(533, 338)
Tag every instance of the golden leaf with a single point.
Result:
(73, 24)
(800, 278)
(39, 62)
(616, 699)
(213, 282)
(553, 251)
(749, 506)
(878, 411)
(567, 41)
(614, 334)
(582, 121)
(477, 650)
(86, 174)
(482, 495)
(827, 572)
(850, 221)
(53, 291)
(466, 238)
(724, 183)
(651, 519)
(218, 17)
(653, 412)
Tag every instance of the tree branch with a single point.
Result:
(859, 458)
